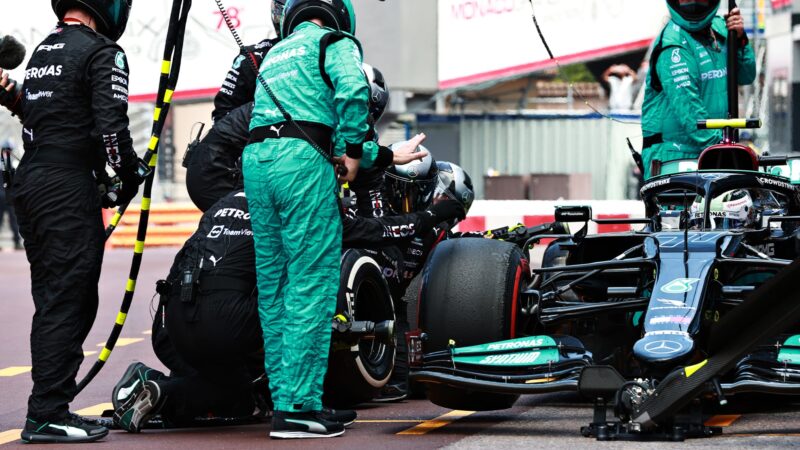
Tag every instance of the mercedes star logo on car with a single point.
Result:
(663, 347)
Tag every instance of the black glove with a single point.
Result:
(443, 211)
(128, 188)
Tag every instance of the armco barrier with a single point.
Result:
(171, 224)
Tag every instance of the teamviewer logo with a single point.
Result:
(216, 232)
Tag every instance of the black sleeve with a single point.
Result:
(368, 190)
(239, 125)
(361, 232)
(108, 78)
(239, 86)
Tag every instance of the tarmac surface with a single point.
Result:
(546, 421)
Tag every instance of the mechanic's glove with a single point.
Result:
(443, 211)
(107, 187)
(128, 188)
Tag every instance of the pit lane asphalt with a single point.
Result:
(547, 421)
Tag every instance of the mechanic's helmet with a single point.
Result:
(111, 15)
(732, 210)
(379, 92)
(454, 182)
(693, 15)
(277, 14)
(336, 14)
(409, 187)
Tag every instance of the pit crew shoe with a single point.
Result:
(344, 416)
(134, 413)
(305, 425)
(135, 376)
(391, 393)
(72, 429)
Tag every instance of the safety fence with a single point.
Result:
(171, 224)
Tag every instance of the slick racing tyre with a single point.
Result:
(357, 370)
(470, 293)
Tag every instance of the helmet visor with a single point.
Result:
(407, 196)
(694, 9)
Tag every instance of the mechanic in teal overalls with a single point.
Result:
(315, 73)
(687, 82)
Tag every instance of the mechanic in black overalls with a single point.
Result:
(214, 343)
(240, 82)
(74, 103)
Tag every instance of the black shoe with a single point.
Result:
(134, 413)
(392, 393)
(344, 416)
(72, 429)
(306, 425)
(135, 376)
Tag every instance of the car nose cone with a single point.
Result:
(656, 348)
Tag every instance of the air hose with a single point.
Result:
(170, 69)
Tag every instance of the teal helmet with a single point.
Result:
(111, 15)
(336, 14)
(693, 15)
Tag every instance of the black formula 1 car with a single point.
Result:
(621, 316)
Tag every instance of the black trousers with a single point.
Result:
(219, 335)
(7, 209)
(60, 219)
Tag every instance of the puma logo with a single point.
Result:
(677, 146)
(277, 130)
(214, 260)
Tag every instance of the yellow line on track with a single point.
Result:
(434, 424)
(96, 410)
(390, 421)
(147, 332)
(14, 370)
(9, 436)
(122, 342)
(89, 353)
(722, 420)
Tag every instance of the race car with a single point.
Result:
(619, 316)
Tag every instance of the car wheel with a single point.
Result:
(470, 294)
(357, 370)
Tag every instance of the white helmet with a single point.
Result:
(732, 210)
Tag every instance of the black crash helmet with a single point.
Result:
(455, 183)
(336, 14)
(111, 15)
(379, 92)
(409, 187)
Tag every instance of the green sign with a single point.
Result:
(790, 355)
(527, 351)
